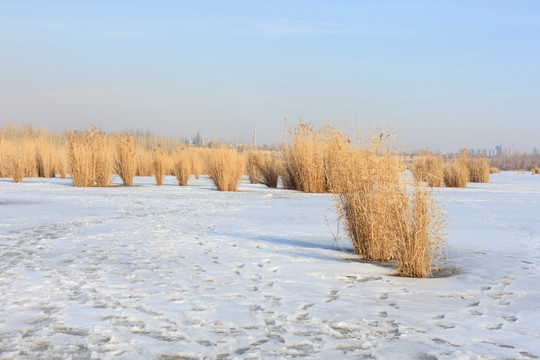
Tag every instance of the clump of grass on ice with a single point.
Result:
(225, 167)
(419, 232)
(125, 160)
(270, 166)
(455, 175)
(182, 166)
(253, 158)
(161, 164)
(145, 162)
(17, 159)
(383, 219)
(196, 163)
(480, 170)
(363, 182)
(45, 156)
(90, 159)
(429, 168)
(304, 159)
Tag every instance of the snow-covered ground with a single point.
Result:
(150, 272)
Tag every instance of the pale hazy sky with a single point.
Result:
(447, 74)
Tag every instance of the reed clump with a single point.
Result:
(382, 217)
(90, 159)
(494, 170)
(182, 166)
(455, 175)
(125, 159)
(303, 156)
(363, 181)
(17, 159)
(225, 167)
(161, 164)
(480, 170)
(464, 158)
(62, 161)
(419, 231)
(270, 166)
(45, 157)
(145, 162)
(196, 162)
(253, 161)
(535, 170)
(429, 168)
(81, 159)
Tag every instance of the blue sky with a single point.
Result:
(447, 74)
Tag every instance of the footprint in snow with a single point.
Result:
(510, 318)
(493, 326)
(332, 295)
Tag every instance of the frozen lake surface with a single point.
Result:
(171, 272)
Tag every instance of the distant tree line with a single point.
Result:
(516, 161)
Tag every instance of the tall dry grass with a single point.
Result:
(455, 175)
(145, 162)
(303, 156)
(480, 170)
(253, 160)
(81, 158)
(45, 156)
(196, 162)
(225, 167)
(382, 218)
(125, 159)
(62, 161)
(161, 164)
(4, 151)
(90, 158)
(182, 166)
(419, 224)
(464, 158)
(363, 181)
(429, 168)
(17, 159)
(103, 162)
(270, 166)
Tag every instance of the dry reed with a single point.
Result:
(480, 170)
(428, 168)
(381, 218)
(253, 160)
(304, 159)
(62, 161)
(455, 175)
(182, 166)
(419, 233)
(103, 158)
(270, 167)
(225, 167)
(81, 158)
(125, 160)
(464, 158)
(45, 157)
(362, 181)
(90, 159)
(145, 162)
(196, 164)
(161, 164)
(18, 159)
